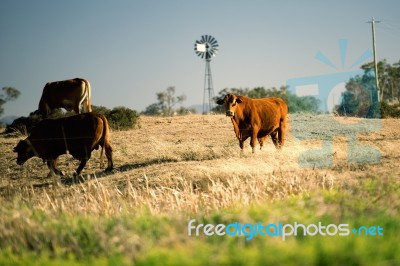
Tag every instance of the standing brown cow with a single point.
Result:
(69, 94)
(256, 118)
(78, 135)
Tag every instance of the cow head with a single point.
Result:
(230, 102)
(24, 151)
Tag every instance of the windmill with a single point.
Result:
(206, 48)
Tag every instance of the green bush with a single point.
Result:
(23, 125)
(123, 118)
(390, 110)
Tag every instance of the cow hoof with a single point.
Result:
(108, 169)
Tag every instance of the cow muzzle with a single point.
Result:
(230, 113)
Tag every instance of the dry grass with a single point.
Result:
(192, 165)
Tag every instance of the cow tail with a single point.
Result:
(88, 89)
(105, 136)
(65, 138)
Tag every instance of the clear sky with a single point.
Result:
(130, 50)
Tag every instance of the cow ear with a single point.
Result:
(238, 100)
(220, 101)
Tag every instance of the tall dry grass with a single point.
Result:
(189, 164)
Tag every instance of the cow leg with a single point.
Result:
(52, 165)
(241, 145)
(281, 131)
(242, 139)
(261, 142)
(275, 140)
(253, 140)
(108, 151)
(81, 166)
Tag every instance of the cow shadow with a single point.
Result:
(70, 180)
(133, 166)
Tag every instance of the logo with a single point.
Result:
(249, 231)
(330, 89)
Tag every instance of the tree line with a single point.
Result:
(360, 99)
(361, 96)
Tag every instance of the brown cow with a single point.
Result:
(256, 118)
(78, 135)
(68, 94)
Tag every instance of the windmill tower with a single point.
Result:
(206, 48)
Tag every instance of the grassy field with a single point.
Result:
(173, 170)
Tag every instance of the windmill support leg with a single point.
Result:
(208, 96)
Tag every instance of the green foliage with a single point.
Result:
(152, 109)
(166, 102)
(388, 110)
(100, 110)
(123, 118)
(361, 98)
(389, 79)
(308, 104)
(295, 103)
(120, 118)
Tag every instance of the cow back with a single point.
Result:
(68, 94)
(78, 135)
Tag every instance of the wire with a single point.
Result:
(390, 26)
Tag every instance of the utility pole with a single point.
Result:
(373, 21)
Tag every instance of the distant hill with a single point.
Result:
(7, 120)
(197, 107)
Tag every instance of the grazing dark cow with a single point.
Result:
(69, 94)
(256, 118)
(78, 135)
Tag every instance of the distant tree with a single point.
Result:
(389, 79)
(185, 111)
(361, 97)
(152, 109)
(166, 102)
(308, 104)
(9, 94)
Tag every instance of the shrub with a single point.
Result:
(123, 118)
(100, 110)
(23, 125)
(388, 110)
